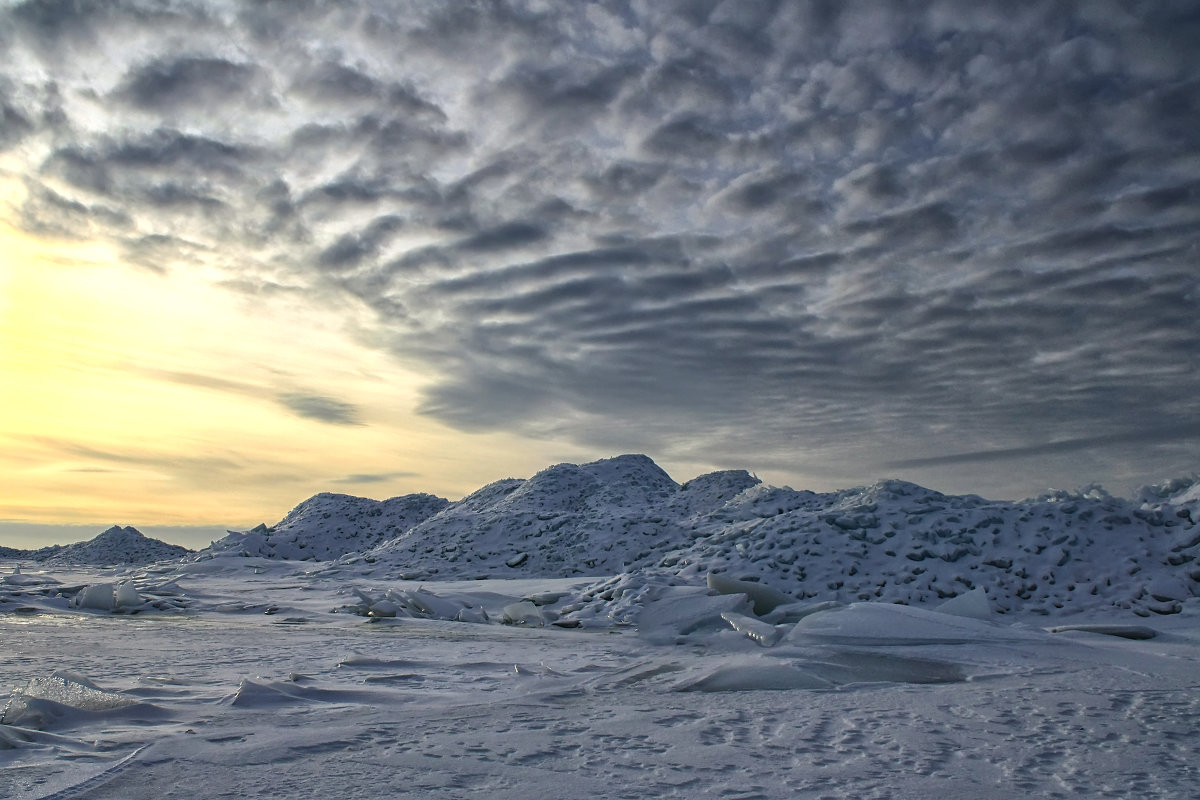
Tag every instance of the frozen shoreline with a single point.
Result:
(254, 688)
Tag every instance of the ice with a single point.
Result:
(890, 624)
(47, 699)
(524, 613)
(108, 597)
(758, 631)
(794, 612)
(100, 596)
(476, 615)
(18, 578)
(681, 612)
(126, 597)
(811, 622)
(764, 597)
(869, 699)
(973, 604)
(383, 608)
(1138, 632)
(418, 603)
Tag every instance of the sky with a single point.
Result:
(254, 251)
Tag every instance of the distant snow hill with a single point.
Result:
(116, 545)
(891, 541)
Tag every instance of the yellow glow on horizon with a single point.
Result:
(140, 398)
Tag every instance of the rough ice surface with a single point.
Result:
(46, 699)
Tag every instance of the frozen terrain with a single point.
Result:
(601, 630)
(116, 545)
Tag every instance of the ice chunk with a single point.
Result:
(383, 608)
(973, 604)
(468, 614)
(888, 624)
(427, 604)
(126, 596)
(682, 613)
(18, 578)
(523, 613)
(764, 597)
(757, 630)
(45, 699)
(100, 596)
(1123, 631)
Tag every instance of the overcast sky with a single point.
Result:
(827, 241)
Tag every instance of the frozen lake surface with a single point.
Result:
(234, 679)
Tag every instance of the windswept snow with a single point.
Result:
(600, 629)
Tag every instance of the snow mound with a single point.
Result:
(328, 525)
(627, 522)
(901, 543)
(594, 518)
(114, 546)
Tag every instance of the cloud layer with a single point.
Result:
(820, 237)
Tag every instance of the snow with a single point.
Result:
(878, 642)
(116, 545)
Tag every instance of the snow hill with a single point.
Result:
(328, 525)
(116, 545)
(891, 541)
(598, 518)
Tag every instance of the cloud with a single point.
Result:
(319, 408)
(170, 463)
(369, 478)
(1172, 433)
(811, 233)
(171, 83)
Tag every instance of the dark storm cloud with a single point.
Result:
(807, 235)
(169, 82)
(1173, 433)
(13, 123)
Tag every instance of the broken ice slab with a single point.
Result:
(764, 597)
(763, 633)
(1123, 631)
(58, 696)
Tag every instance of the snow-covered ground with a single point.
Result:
(602, 630)
(234, 679)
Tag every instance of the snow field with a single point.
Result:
(251, 687)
